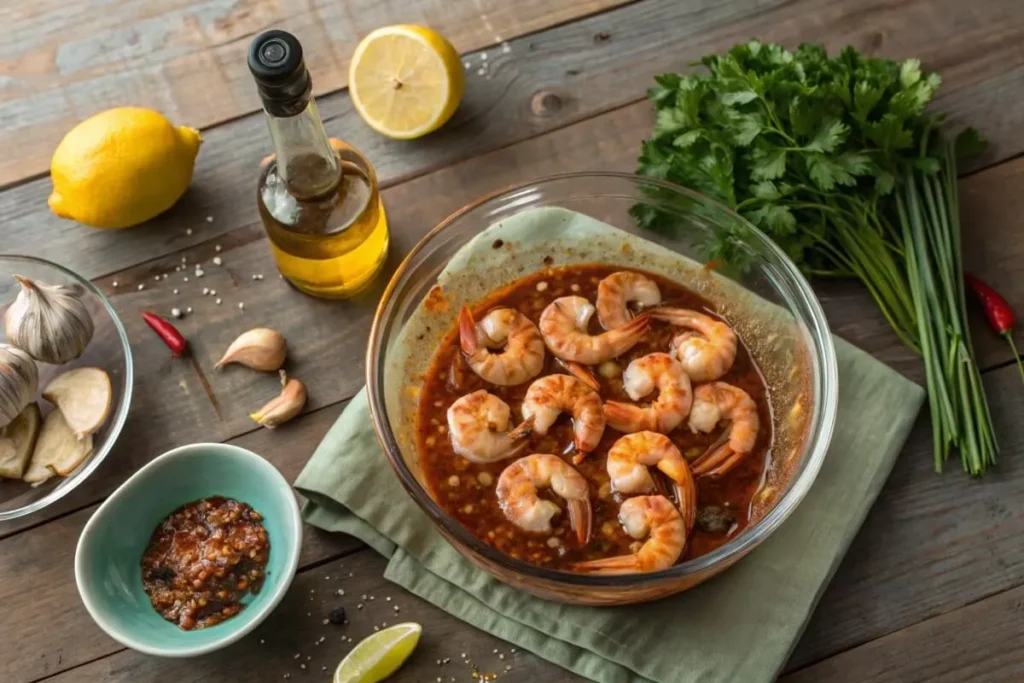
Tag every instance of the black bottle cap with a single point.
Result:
(275, 60)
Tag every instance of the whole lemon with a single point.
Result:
(121, 167)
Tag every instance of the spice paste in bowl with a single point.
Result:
(203, 559)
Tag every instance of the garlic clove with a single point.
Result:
(49, 322)
(19, 381)
(58, 451)
(84, 396)
(285, 406)
(17, 440)
(260, 349)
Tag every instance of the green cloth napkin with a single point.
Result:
(740, 626)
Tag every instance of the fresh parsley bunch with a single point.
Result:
(836, 160)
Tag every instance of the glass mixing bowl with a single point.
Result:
(108, 349)
(551, 222)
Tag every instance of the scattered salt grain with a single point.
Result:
(185, 279)
(218, 302)
(241, 306)
(188, 231)
(481, 71)
(340, 591)
(506, 48)
(188, 310)
(325, 622)
(217, 260)
(209, 219)
(175, 291)
(141, 287)
(467, 65)
(164, 276)
(176, 312)
(213, 292)
(183, 259)
(206, 290)
(483, 56)
(156, 278)
(297, 655)
(216, 248)
(200, 272)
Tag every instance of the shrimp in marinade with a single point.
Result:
(654, 517)
(478, 425)
(563, 325)
(522, 357)
(617, 291)
(517, 494)
(629, 459)
(713, 403)
(706, 348)
(645, 374)
(550, 396)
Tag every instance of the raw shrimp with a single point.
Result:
(707, 348)
(720, 401)
(523, 356)
(552, 395)
(564, 327)
(619, 289)
(478, 424)
(517, 494)
(652, 516)
(629, 459)
(645, 374)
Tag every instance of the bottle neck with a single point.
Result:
(305, 160)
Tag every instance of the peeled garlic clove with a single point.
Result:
(83, 395)
(260, 349)
(50, 322)
(19, 381)
(17, 440)
(58, 451)
(283, 408)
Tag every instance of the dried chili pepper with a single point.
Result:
(997, 309)
(167, 332)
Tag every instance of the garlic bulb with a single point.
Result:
(50, 322)
(19, 381)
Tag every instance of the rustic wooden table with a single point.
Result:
(931, 589)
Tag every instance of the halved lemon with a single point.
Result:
(405, 80)
(378, 656)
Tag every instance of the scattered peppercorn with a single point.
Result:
(337, 615)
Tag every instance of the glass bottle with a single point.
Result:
(318, 197)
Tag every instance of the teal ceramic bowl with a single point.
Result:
(107, 562)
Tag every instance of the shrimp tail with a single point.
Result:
(714, 460)
(523, 431)
(637, 327)
(675, 316)
(580, 372)
(467, 331)
(623, 417)
(580, 518)
(622, 564)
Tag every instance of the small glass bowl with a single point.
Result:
(768, 301)
(107, 350)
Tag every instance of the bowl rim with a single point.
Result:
(281, 586)
(118, 419)
(816, 444)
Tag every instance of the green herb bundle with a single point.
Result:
(836, 160)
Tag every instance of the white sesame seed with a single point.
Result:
(217, 260)
(297, 655)
(218, 302)
(141, 287)
(513, 650)
(495, 650)
(340, 591)
(322, 639)
(359, 606)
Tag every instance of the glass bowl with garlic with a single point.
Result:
(65, 382)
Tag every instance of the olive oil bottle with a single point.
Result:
(318, 197)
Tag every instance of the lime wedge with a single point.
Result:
(378, 656)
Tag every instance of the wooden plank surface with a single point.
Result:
(187, 58)
(901, 568)
(585, 76)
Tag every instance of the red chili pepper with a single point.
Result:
(167, 332)
(997, 309)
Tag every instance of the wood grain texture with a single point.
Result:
(188, 58)
(931, 544)
(977, 644)
(295, 643)
(549, 80)
(44, 624)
